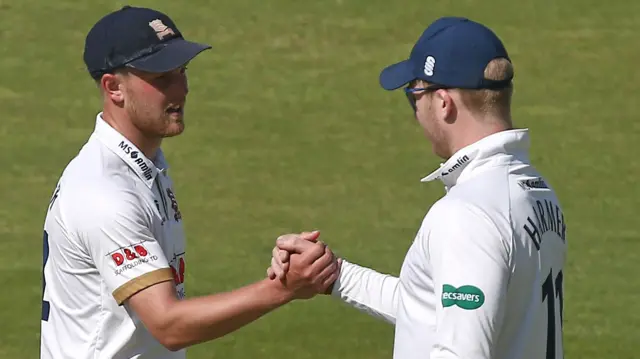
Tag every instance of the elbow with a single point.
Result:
(173, 346)
(172, 332)
(176, 341)
(171, 341)
(166, 333)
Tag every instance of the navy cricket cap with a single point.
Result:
(136, 37)
(452, 52)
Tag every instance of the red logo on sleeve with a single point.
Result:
(178, 268)
(178, 274)
(127, 254)
(118, 258)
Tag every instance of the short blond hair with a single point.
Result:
(492, 102)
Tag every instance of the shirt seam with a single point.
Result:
(100, 321)
(512, 232)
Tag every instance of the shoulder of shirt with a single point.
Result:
(100, 199)
(470, 209)
(455, 212)
(97, 161)
(453, 219)
(96, 184)
(97, 171)
(449, 208)
(485, 183)
(488, 192)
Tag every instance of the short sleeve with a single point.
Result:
(117, 233)
(471, 270)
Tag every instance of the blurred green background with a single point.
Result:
(288, 130)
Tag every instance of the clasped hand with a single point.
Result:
(304, 265)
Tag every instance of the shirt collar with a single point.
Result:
(145, 168)
(464, 161)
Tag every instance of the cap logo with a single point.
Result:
(161, 29)
(429, 65)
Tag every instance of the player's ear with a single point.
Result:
(445, 105)
(111, 85)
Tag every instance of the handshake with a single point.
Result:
(303, 265)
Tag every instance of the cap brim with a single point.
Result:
(397, 75)
(174, 54)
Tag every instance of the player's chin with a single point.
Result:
(175, 128)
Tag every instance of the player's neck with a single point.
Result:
(476, 130)
(121, 123)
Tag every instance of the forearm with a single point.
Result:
(205, 318)
(369, 291)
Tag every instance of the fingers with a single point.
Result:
(326, 272)
(313, 255)
(329, 281)
(294, 244)
(285, 269)
(310, 236)
(306, 236)
(281, 256)
(275, 268)
(321, 262)
(325, 280)
(305, 243)
(332, 278)
(284, 255)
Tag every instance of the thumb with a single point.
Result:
(310, 236)
(293, 244)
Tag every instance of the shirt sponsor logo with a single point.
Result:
(129, 257)
(178, 268)
(466, 297)
(177, 265)
(461, 161)
(533, 183)
(135, 156)
(134, 264)
(174, 205)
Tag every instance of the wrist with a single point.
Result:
(336, 283)
(276, 291)
(329, 290)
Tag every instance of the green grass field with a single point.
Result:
(288, 130)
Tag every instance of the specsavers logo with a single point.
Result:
(466, 297)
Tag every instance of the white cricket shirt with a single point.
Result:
(483, 278)
(112, 228)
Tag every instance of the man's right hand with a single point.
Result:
(301, 257)
(280, 257)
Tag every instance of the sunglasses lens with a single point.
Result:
(412, 100)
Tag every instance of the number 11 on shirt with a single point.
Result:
(552, 292)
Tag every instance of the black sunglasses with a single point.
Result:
(410, 91)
